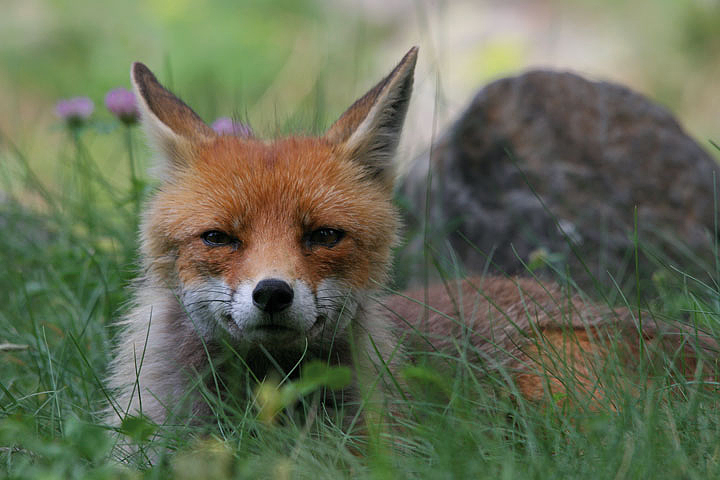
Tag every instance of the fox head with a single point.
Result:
(274, 243)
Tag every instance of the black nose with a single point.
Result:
(272, 295)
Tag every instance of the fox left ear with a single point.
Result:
(172, 127)
(369, 131)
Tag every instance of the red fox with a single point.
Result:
(279, 251)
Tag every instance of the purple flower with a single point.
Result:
(122, 104)
(74, 110)
(227, 126)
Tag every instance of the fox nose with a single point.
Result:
(272, 295)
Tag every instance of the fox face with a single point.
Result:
(273, 243)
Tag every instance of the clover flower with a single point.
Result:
(122, 104)
(75, 111)
(227, 126)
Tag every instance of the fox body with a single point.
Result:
(279, 251)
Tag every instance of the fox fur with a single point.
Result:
(281, 250)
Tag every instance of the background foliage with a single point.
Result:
(68, 217)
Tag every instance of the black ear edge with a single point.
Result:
(349, 121)
(166, 106)
(139, 72)
(141, 77)
(375, 139)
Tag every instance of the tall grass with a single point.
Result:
(68, 255)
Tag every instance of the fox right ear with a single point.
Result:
(172, 126)
(369, 131)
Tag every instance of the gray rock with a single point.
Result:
(547, 152)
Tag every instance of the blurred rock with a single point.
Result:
(592, 152)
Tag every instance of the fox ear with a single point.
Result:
(170, 124)
(369, 131)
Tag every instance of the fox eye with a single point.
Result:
(325, 237)
(216, 238)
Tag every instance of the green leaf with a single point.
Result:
(427, 377)
(90, 441)
(319, 374)
(137, 428)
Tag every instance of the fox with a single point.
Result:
(280, 252)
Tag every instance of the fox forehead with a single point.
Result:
(237, 184)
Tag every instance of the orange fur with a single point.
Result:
(551, 343)
(267, 196)
(271, 202)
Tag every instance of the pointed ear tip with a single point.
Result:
(139, 70)
(411, 55)
(408, 62)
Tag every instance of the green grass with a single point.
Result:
(68, 222)
(68, 256)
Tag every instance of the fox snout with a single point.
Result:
(273, 295)
(269, 309)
